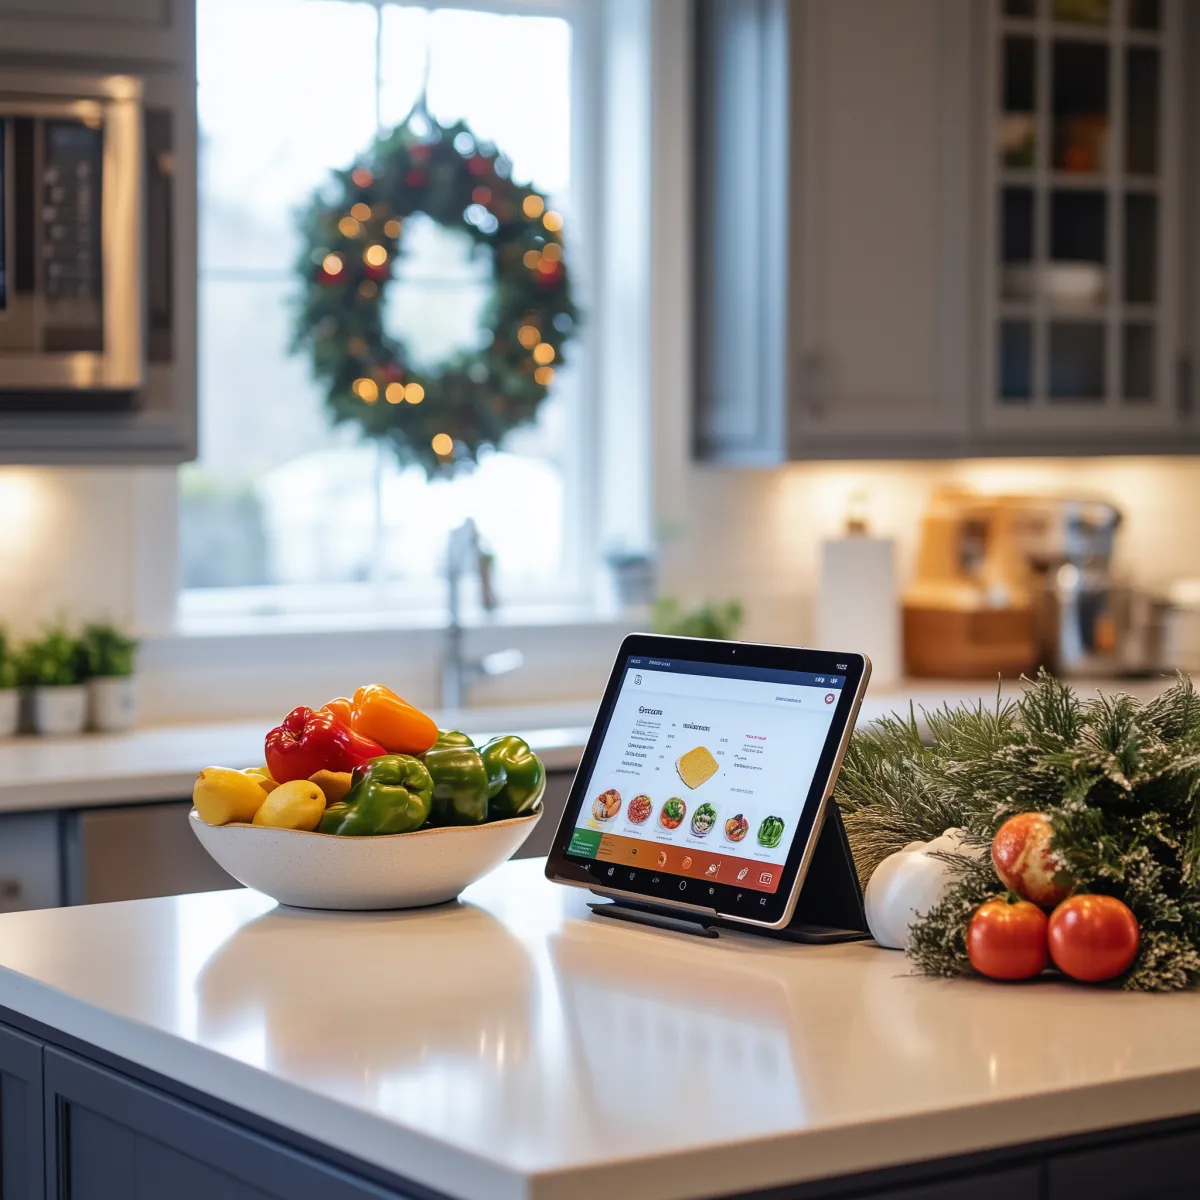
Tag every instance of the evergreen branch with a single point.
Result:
(1118, 780)
(937, 940)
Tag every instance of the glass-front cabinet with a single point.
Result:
(991, 216)
(1081, 292)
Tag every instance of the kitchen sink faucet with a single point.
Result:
(465, 551)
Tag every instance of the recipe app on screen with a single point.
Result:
(705, 768)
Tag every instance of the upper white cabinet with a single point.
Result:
(977, 208)
(878, 119)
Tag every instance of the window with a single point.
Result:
(281, 512)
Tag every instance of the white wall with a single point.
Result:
(82, 543)
(756, 534)
(87, 542)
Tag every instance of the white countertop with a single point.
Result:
(160, 762)
(514, 1047)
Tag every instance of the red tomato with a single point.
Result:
(1093, 938)
(1007, 940)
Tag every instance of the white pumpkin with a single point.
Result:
(909, 883)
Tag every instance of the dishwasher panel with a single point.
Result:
(134, 852)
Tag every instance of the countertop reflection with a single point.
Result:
(513, 1045)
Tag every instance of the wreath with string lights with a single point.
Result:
(353, 233)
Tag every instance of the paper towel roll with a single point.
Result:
(858, 602)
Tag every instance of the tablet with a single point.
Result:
(704, 781)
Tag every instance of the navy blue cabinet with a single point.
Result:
(109, 1138)
(1020, 1184)
(71, 1129)
(1154, 1168)
(21, 1134)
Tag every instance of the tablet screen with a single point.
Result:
(704, 770)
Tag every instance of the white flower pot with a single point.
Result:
(113, 703)
(10, 711)
(60, 711)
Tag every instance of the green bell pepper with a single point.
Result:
(460, 785)
(524, 775)
(456, 737)
(389, 794)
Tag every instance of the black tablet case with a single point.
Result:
(830, 907)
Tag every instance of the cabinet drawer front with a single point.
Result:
(112, 1139)
(1020, 1183)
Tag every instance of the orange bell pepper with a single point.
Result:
(377, 712)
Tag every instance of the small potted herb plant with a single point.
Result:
(52, 668)
(108, 658)
(708, 620)
(10, 697)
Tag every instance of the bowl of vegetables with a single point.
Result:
(366, 804)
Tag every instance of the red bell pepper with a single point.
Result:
(309, 741)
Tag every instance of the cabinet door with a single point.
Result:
(135, 852)
(112, 1139)
(1020, 1183)
(880, 325)
(30, 861)
(21, 1141)
(1154, 1168)
(1082, 163)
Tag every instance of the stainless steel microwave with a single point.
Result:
(72, 323)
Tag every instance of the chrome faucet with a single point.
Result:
(466, 551)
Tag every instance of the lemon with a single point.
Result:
(222, 794)
(296, 805)
(263, 777)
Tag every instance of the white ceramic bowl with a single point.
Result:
(398, 870)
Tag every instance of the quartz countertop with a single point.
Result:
(511, 1046)
(159, 762)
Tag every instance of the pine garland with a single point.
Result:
(1119, 781)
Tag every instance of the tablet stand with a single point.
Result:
(830, 907)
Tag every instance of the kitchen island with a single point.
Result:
(513, 1046)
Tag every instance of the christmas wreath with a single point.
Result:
(353, 234)
(1089, 809)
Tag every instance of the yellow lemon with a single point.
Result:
(296, 805)
(222, 794)
(335, 784)
(262, 776)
